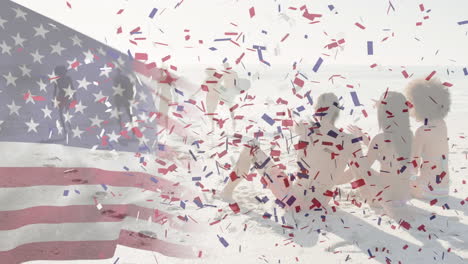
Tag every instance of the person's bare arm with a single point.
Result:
(417, 149)
(372, 154)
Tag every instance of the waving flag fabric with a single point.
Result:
(60, 90)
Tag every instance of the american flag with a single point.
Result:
(61, 91)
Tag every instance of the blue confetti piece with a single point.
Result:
(153, 12)
(264, 32)
(266, 215)
(142, 159)
(279, 8)
(280, 203)
(355, 99)
(258, 47)
(209, 174)
(223, 241)
(180, 108)
(265, 199)
(317, 64)
(193, 156)
(130, 54)
(126, 168)
(104, 187)
(196, 178)
(370, 48)
(291, 200)
(268, 119)
(223, 39)
(261, 166)
(309, 98)
(213, 49)
(198, 202)
(332, 134)
(305, 77)
(161, 147)
(182, 204)
(65, 193)
(465, 71)
(331, 7)
(225, 59)
(355, 140)
(154, 180)
(77, 192)
(179, 91)
(300, 108)
(462, 22)
(117, 260)
(265, 62)
(403, 169)
(432, 217)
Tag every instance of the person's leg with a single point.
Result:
(242, 167)
(164, 100)
(212, 101)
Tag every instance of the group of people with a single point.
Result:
(410, 164)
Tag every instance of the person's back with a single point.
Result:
(432, 147)
(327, 154)
(431, 104)
(393, 173)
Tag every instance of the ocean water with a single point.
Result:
(369, 84)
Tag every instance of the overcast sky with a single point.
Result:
(210, 19)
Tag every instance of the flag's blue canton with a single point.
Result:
(47, 68)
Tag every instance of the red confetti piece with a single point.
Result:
(430, 75)
(285, 37)
(252, 12)
(405, 225)
(299, 82)
(235, 208)
(75, 64)
(141, 56)
(364, 112)
(405, 74)
(358, 183)
(360, 26)
(69, 5)
(137, 132)
(120, 11)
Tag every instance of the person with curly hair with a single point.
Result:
(429, 104)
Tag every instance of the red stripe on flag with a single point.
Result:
(86, 214)
(81, 250)
(37, 176)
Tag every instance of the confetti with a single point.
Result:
(153, 12)
(252, 12)
(430, 75)
(370, 48)
(358, 183)
(355, 99)
(360, 26)
(317, 65)
(268, 119)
